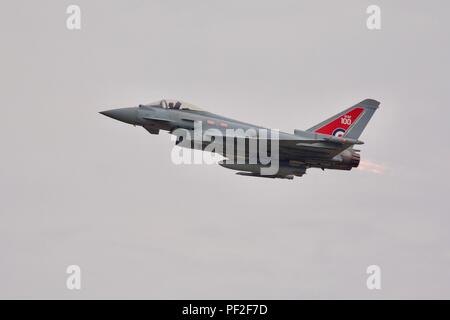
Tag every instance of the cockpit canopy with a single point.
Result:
(174, 104)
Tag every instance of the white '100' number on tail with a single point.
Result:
(347, 121)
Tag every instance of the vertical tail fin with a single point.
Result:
(349, 123)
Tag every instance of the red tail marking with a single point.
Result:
(340, 125)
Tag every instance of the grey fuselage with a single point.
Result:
(292, 153)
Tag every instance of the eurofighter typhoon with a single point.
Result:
(253, 150)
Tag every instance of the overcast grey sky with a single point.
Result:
(79, 188)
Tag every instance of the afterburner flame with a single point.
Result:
(369, 166)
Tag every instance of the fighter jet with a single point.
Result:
(327, 145)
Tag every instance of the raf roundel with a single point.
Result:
(339, 132)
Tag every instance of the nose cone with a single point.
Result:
(127, 115)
